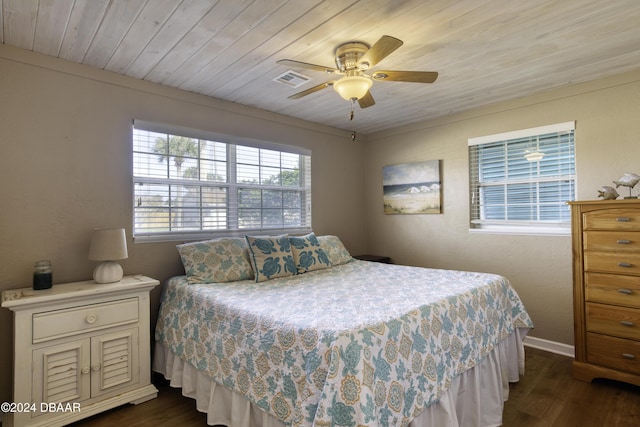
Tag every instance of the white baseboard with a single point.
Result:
(550, 346)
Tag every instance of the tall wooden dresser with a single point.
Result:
(606, 276)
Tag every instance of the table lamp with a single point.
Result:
(108, 245)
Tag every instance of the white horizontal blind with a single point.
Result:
(190, 184)
(523, 178)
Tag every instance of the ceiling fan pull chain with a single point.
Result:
(351, 114)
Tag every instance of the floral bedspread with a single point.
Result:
(359, 344)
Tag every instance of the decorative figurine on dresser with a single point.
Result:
(628, 180)
(606, 276)
(79, 349)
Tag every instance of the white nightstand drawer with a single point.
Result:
(62, 323)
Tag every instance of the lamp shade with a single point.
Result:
(353, 87)
(108, 245)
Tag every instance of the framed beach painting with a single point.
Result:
(412, 188)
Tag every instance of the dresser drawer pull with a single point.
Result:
(625, 291)
(625, 264)
(626, 323)
(628, 356)
(623, 219)
(90, 319)
(623, 242)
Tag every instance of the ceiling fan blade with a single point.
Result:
(311, 90)
(292, 63)
(380, 50)
(406, 76)
(366, 101)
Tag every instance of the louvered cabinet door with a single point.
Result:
(61, 373)
(114, 361)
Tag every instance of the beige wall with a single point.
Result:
(607, 115)
(66, 169)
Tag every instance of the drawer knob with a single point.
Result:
(85, 370)
(91, 318)
(625, 291)
(625, 264)
(626, 323)
(623, 242)
(628, 356)
(96, 367)
(623, 219)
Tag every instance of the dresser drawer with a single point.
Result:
(611, 241)
(612, 289)
(617, 353)
(612, 320)
(612, 262)
(62, 323)
(612, 219)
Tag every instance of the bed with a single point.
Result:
(336, 341)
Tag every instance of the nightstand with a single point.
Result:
(374, 258)
(79, 349)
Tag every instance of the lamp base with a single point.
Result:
(108, 272)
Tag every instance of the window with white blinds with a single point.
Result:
(520, 181)
(190, 184)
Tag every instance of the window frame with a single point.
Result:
(559, 226)
(232, 186)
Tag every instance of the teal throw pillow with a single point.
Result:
(308, 254)
(271, 257)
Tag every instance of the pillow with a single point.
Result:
(335, 250)
(271, 257)
(307, 253)
(216, 261)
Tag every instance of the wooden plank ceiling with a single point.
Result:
(485, 50)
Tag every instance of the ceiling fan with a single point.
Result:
(353, 59)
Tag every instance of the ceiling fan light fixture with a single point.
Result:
(353, 87)
(353, 59)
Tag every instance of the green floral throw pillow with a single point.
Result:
(216, 261)
(307, 253)
(271, 257)
(335, 250)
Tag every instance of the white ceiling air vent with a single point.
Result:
(292, 79)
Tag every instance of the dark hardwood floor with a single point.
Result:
(546, 396)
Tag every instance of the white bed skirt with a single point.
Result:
(475, 398)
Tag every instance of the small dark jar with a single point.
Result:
(42, 275)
